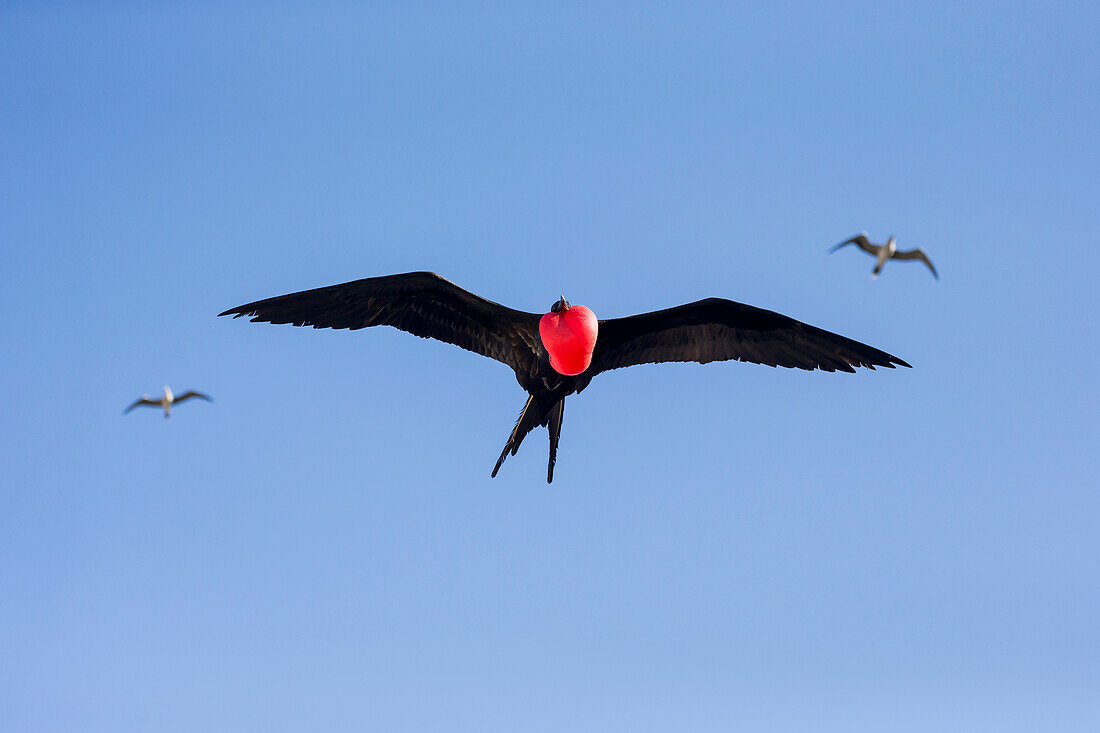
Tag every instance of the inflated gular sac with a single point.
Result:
(569, 336)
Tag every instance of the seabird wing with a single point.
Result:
(860, 240)
(141, 401)
(917, 254)
(421, 303)
(189, 394)
(718, 330)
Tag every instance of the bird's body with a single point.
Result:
(884, 252)
(536, 347)
(166, 401)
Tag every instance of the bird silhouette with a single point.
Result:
(558, 353)
(166, 401)
(888, 251)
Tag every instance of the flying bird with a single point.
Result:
(557, 354)
(888, 251)
(166, 401)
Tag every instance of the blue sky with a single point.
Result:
(725, 546)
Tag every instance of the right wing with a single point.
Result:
(141, 401)
(421, 303)
(861, 240)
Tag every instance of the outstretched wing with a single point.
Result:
(917, 254)
(719, 330)
(421, 303)
(189, 394)
(861, 240)
(141, 401)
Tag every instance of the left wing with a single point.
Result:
(719, 330)
(192, 393)
(917, 254)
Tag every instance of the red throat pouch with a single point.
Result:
(569, 337)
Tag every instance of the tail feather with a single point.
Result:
(529, 419)
(557, 414)
(534, 415)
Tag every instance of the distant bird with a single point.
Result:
(557, 354)
(888, 251)
(166, 401)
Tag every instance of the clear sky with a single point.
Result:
(724, 547)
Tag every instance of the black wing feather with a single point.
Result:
(421, 303)
(141, 401)
(717, 330)
(862, 241)
(192, 393)
(917, 254)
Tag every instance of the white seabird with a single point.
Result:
(888, 251)
(166, 401)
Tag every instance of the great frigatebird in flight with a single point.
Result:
(557, 354)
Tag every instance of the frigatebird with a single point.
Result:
(888, 251)
(166, 401)
(557, 354)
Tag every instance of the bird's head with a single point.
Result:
(561, 305)
(167, 391)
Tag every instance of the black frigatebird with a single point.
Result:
(557, 354)
(888, 251)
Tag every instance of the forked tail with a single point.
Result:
(557, 414)
(532, 416)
